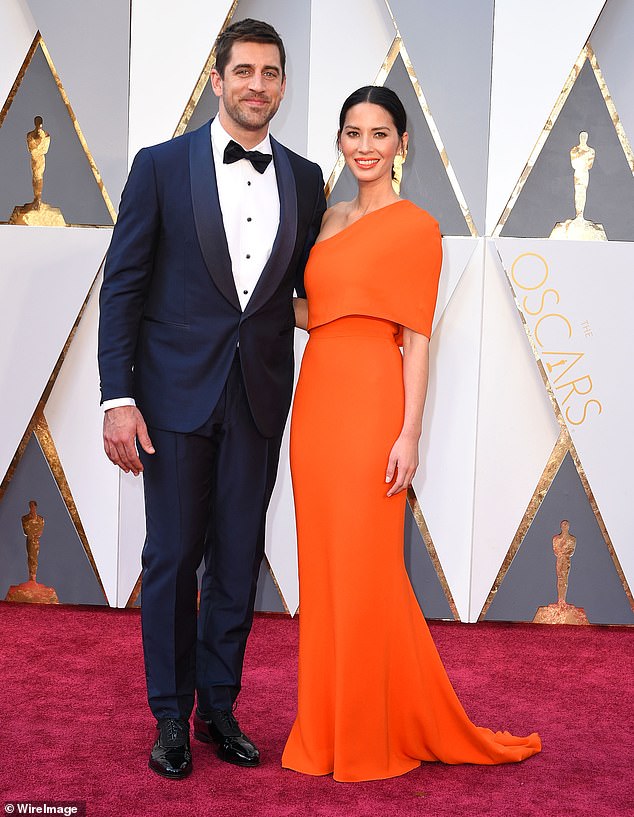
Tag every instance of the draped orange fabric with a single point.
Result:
(386, 265)
(374, 699)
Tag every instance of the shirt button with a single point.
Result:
(245, 291)
(248, 256)
(248, 184)
(249, 218)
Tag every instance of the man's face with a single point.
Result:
(252, 88)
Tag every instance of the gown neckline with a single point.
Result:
(362, 218)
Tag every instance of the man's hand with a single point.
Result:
(122, 426)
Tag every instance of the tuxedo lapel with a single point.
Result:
(208, 216)
(284, 244)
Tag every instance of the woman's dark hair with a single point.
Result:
(377, 95)
(246, 31)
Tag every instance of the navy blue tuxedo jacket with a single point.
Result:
(170, 319)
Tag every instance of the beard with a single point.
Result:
(250, 119)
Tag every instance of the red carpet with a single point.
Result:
(75, 724)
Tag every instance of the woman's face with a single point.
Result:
(369, 142)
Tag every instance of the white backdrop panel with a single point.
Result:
(45, 275)
(75, 420)
(349, 42)
(517, 430)
(168, 51)
(456, 252)
(131, 534)
(584, 336)
(444, 480)
(281, 537)
(17, 30)
(535, 46)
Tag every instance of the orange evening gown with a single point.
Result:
(374, 698)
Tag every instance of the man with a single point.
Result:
(195, 340)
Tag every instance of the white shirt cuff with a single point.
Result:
(118, 401)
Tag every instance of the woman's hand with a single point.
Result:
(402, 463)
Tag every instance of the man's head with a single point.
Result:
(247, 31)
(249, 79)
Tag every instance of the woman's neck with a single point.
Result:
(373, 196)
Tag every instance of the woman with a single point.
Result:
(374, 698)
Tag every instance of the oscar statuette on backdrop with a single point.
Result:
(564, 544)
(579, 228)
(31, 591)
(38, 212)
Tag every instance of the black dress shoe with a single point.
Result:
(221, 728)
(171, 754)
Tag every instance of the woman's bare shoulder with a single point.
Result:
(336, 211)
(334, 219)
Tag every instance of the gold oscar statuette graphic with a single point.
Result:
(564, 544)
(37, 212)
(32, 591)
(579, 228)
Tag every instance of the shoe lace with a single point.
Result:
(172, 730)
(228, 719)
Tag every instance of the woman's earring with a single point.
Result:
(397, 170)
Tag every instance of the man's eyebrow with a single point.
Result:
(250, 65)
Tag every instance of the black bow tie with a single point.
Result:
(234, 152)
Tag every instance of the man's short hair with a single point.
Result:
(246, 31)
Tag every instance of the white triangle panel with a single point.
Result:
(444, 480)
(535, 46)
(131, 534)
(517, 430)
(585, 341)
(612, 44)
(281, 535)
(456, 253)
(75, 421)
(45, 275)
(168, 52)
(349, 43)
(17, 30)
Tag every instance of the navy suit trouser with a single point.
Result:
(206, 496)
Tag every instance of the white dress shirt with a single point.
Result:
(250, 207)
